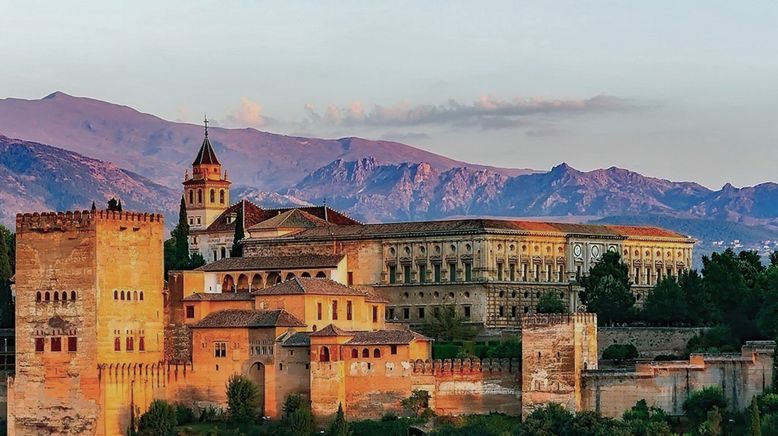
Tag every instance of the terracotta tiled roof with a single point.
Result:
(655, 232)
(255, 215)
(297, 339)
(238, 318)
(292, 218)
(299, 285)
(225, 296)
(373, 298)
(274, 262)
(385, 337)
(331, 330)
(206, 155)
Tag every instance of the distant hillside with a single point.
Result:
(37, 177)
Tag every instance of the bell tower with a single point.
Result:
(207, 191)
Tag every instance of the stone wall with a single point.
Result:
(650, 341)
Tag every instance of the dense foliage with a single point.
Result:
(7, 267)
(159, 420)
(240, 233)
(242, 398)
(509, 348)
(551, 303)
(447, 325)
(176, 249)
(620, 352)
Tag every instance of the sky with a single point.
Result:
(679, 90)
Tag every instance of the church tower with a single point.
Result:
(207, 192)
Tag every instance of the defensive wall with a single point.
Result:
(650, 341)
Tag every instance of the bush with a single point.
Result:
(184, 414)
(551, 303)
(620, 352)
(385, 427)
(714, 340)
(505, 349)
(210, 414)
(495, 424)
(701, 402)
(445, 351)
(417, 404)
(159, 420)
(242, 398)
(292, 403)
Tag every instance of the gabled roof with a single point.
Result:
(292, 218)
(302, 261)
(652, 232)
(330, 331)
(296, 339)
(299, 285)
(224, 296)
(206, 155)
(253, 214)
(385, 337)
(240, 318)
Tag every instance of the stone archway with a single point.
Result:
(257, 375)
(228, 285)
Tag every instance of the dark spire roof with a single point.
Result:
(206, 156)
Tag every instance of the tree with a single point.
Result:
(732, 298)
(339, 426)
(159, 420)
(701, 402)
(756, 425)
(665, 303)
(551, 303)
(714, 340)
(237, 251)
(699, 309)
(609, 265)
(552, 419)
(300, 422)
(176, 249)
(447, 325)
(292, 403)
(712, 425)
(642, 420)
(620, 352)
(242, 398)
(6, 272)
(417, 404)
(611, 300)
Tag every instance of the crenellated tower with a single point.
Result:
(207, 191)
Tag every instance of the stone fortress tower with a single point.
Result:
(556, 349)
(207, 191)
(88, 298)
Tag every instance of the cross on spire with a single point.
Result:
(205, 122)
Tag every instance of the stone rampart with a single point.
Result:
(650, 341)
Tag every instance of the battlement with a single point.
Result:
(466, 366)
(552, 319)
(63, 221)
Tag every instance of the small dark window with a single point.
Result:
(349, 315)
(376, 353)
(47, 296)
(334, 309)
(422, 273)
(365, 353)
(73, 295)
(375, 313)
(354, 353)
(502, 311)
(56, 296)
(190, 311)
(452, 272)
(350, 278)
(64, 296)
(72, 344)
(513, 311)
(39, 344)
(407, 273)
(122, 295)
(436, 272)
(318, 311)
(392, 274)
(38, 296)
(56, 344)
(421, 313)
(115, 295)
(141, 295)
(390, 315)
(130, 344)
(141, 344)
(393, 349)
(220, 349)
(406, 312)
(467, 311)
(117, 344)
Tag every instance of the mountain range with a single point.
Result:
(142, 159)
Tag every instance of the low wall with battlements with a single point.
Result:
(650, 341)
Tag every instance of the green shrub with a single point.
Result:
(210, 414)
(714, 340)
(159, 420)
(445, 351)
(184, 414)
(292, 403)
(390, 427)
(505, 349)
(620, 352)
(417, 404)
(701, 402)
(242, 398)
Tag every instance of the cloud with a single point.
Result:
(183, 114)
(405, 137)
(248, 115)
(488, 112)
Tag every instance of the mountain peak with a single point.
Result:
(56, 94)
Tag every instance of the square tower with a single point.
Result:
(207, 192)
(555, 349)
(88, 295)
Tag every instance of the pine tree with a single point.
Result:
(339, 426)
(756, 425)
(239, 235)
(94, 207)
(119, 207)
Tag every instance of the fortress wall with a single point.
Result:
(650, 341)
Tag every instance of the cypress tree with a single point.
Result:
(6, 302)
(239, 234)
(181, 236)
(119, 207)
(756, 425)
(339, 427)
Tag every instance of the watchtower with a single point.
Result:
(207, 191)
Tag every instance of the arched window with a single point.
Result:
(221, 196)
(56, 296)
(122, 295)
(354, 353)
(243, 282)
(305, 275)
(256, 281)
(213, 196)
(115, 294)
(73, 295)
(199, 196)
(365, 353)
(38, 296)
(141, 295)
(290, 276)
(135, 295)
(47, 296)
(376, 353)
(324, 354)
(130, 344)
(117, 344)
(141, 344)
(321, 275)
(228, 285)
(64, 295)
(191, 197)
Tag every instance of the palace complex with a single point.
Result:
(324, 306)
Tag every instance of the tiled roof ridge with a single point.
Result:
(338, 211)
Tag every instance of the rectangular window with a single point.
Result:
(422, 273)
(318, 311)
(513, 311)
(406, 313)
(467, 311)
(452, 272)
(72, 344)
(669, 271)
(407, 274)
(499, 271)
(637, 275)
(512, 272)
(392, 274)
(350, 278)
(561, 273)
(56, 344)
(220, 349)
(390, 315)
(129, 345)
(40, 344)
(524, 276)
(578, 272)
(436, 271)
(468, 272)
(348, 310)
(334, 309)
(658, 274)
(375, 313)
(117, 344)
(421, 313)
(190, 312)
(141, 344)
(648, 275)
(502, 311)
(548, 272)
(393, 349)
(537, 272)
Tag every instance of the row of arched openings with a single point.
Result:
(57, 296)
(257, 282)
(122, 295)
(212, 196)
(324, 353)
